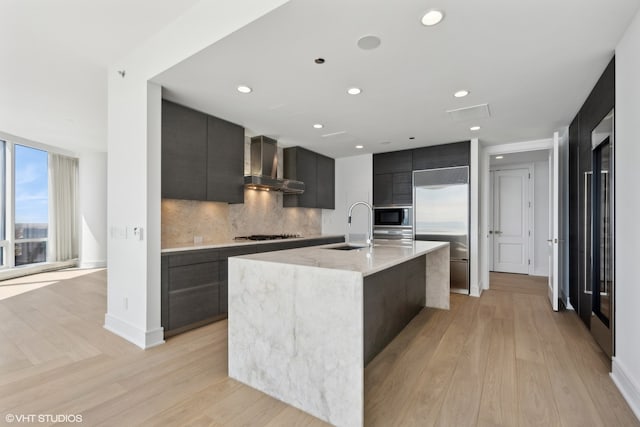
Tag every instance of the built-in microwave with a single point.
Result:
(400, 216)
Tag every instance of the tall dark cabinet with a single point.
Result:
(597, 105)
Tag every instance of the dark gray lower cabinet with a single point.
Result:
(195, 282)
(392, 298)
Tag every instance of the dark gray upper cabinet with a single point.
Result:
(202, 156)
(184, 145)
(392, 162)
(326, 182)
(382, 189)
(403, 188)
(392, 178)
(225, 160)
(393, 171)
(442, 156)
(318, 174)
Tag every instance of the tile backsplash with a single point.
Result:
(215, 222)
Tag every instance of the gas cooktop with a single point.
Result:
(268, 237)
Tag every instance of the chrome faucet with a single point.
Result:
(370, 223)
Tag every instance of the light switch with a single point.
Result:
(137, 233)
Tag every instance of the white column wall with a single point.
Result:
(354, 182)
(133, 292)
(625, 366)
(475, 233)
(92, 171)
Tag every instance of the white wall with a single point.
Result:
(626, 366)
(93, 209)
(476, 259)
(354, 182)
(541, 218)
(133, 288)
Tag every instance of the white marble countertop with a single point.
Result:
(232, 243)
(366, 260)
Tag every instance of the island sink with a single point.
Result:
(347, 247)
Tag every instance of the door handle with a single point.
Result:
(497, 232)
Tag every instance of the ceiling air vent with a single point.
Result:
(465, 114)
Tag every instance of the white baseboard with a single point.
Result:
(476, 291)
(92, 264)
(627, 386)
(41, 267)
(139, 337)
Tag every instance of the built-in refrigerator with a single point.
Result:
(441, 213)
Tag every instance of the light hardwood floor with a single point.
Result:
(504, 359)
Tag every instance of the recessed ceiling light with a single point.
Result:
(412, 137)
(474, 128)
(385, 142)
(368, 42)
(244, 89)
(354, 91)
(318, 126)
(499, 157)
(461, 93)
(319, 60)
(432, 17)
(359, 147)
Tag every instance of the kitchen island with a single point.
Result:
(303, 323)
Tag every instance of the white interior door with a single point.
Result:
(511, 221)
(554, 183)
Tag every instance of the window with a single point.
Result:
(31, 205)
(38, 206)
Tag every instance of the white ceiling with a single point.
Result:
(533, 61)
(53, 83)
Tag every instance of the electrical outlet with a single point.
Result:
(197, 240)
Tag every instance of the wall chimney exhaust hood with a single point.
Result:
(264, 169)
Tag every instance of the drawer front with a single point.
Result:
(193, 305)
(237, 251)
(194, 257)
(189, 276)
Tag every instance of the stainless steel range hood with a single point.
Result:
(264, 169)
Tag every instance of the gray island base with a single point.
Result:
(303, 323)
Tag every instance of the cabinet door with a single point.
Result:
(193, 293)
(383, 189)
(224, 271)
(301, 165)
(325, 182)
(442, 156)
(402, 188)
(184, 152)
(193, 305)
(225, 161)
(392, 162)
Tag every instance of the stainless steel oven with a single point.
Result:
(393, 226)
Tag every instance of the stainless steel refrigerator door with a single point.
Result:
(441, 212)
(459, 276)
(459, 245)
